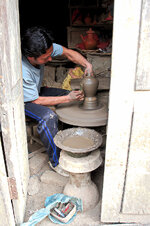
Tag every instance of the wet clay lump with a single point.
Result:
(78, 142)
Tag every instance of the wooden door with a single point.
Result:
(126, 191)
(11, 106)
(6, 210)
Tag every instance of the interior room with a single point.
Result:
(71, 22)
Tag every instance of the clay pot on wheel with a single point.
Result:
(89, 41)
(89, 86)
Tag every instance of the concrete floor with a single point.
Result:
(45, 182)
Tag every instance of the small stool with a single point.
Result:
(31, 138)
(30, 123)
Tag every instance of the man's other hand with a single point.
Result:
(75, 95)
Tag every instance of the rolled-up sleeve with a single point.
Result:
(57, 50)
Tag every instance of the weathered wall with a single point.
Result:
(55, 75)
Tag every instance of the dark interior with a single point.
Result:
(56, 15)
(51, 14)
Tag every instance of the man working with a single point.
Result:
(37, 49)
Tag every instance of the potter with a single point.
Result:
(38, 49)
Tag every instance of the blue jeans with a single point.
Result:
(47, 122)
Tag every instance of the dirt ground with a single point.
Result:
(45, 182)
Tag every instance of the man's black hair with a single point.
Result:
(35, 41)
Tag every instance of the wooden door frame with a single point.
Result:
(12, 116)
(6, 210)
(127, 28)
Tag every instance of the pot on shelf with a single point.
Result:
(89, 41)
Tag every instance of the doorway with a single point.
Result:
(64, 31)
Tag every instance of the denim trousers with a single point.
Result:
(47, 122)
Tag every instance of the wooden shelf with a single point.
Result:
(83, 3)
(95, 52)
(83, 7)
(104, 24)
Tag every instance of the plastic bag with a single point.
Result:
(50, 203)
(73, 73)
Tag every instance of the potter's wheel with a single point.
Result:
(73, 114)
(80, 166)
(78, 140)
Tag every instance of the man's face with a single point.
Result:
(43, 59)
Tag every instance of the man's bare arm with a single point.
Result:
(74, 95)
(77, 58)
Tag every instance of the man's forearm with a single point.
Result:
(76, 58)
(51, 100)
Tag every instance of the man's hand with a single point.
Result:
(77, 58)
(75, 95)
(88, 69)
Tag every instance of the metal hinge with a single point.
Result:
(12, 188)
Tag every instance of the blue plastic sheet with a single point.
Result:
(50, 203)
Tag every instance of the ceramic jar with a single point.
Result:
(88, 20)
(90, 85)
(89, 41)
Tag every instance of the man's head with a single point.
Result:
(36, 45)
